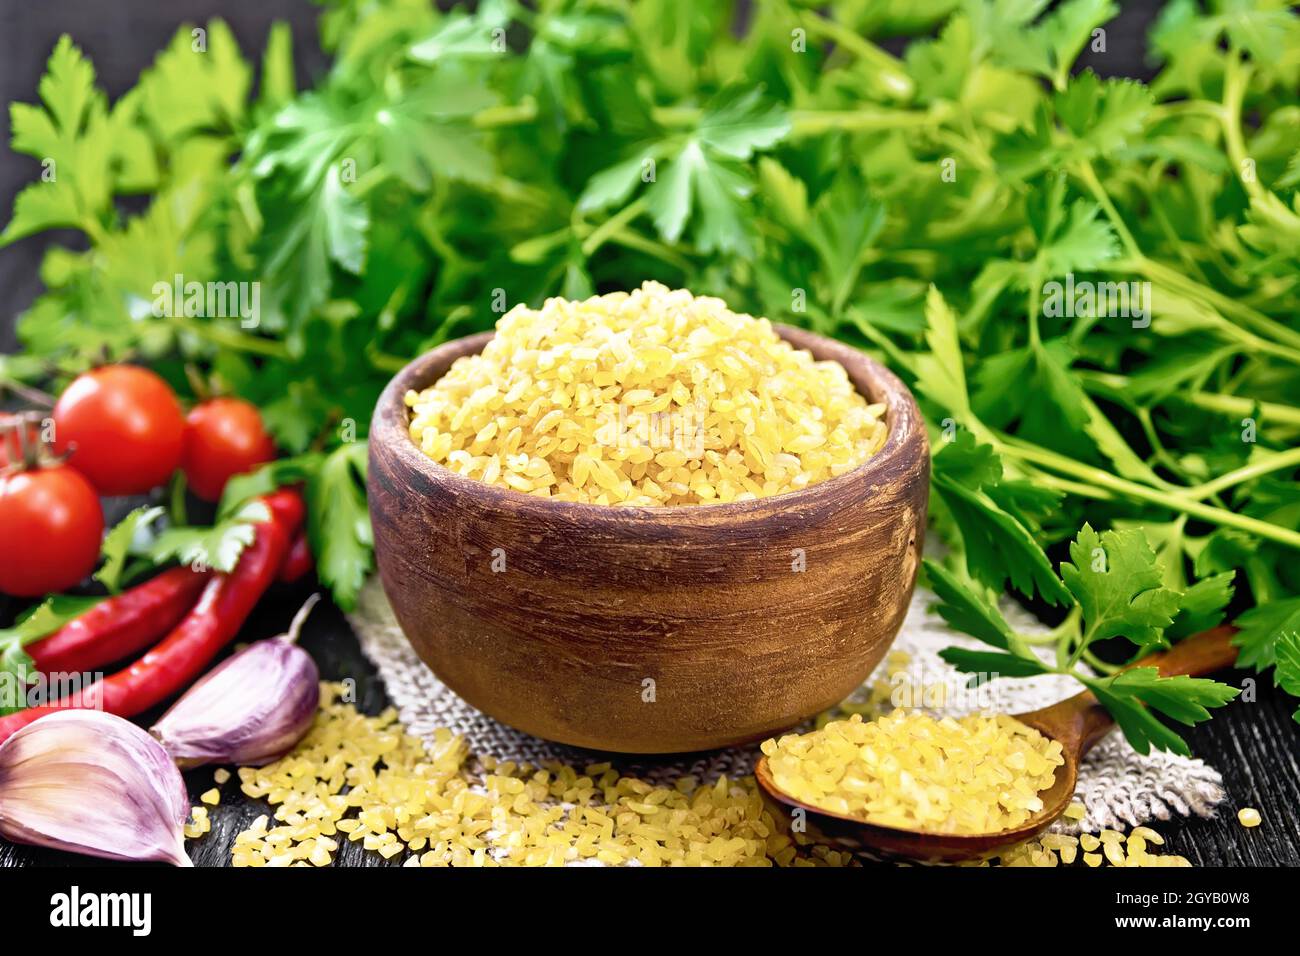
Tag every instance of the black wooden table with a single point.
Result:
(1254, 744)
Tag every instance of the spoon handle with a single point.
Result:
(1082, 721)
(1196, 656)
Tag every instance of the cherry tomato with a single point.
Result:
(224, 437)
(51, 524)
(123, 426)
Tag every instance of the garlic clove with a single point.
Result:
(249, 710)
(90, 782)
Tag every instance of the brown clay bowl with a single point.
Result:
(650, 630)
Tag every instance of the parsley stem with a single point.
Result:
(1235, 77)
(1267, 465)
(631, 239)
(1137, 261)
(1175, 280)
(1099, 665)
(1210, 401)
(385, 362)
(889, 70)
(1089, 177)
(1069, 626)
(897, 357)
(1079, 642)
(230, 338)
(506, 114)
(611, 225)
(27, 393)
(1173, 499)
(1071, 487)
(817, 122)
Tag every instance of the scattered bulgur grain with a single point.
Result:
(1249, 817)
(366, 778)
(394, 793)
(221, 775)
(1146, 833)
(211, 797)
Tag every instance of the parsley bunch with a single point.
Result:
(927, 207)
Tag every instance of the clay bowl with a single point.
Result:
(650, 630)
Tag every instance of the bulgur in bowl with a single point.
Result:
(650, 628)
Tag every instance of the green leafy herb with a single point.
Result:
(340, 532)
(1115, 582)
(218, 547)
(1261, 630)
(121, 542)
(1089, 283)
(1287, 651)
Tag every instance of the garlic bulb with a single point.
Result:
(89, 782)
(249, 710)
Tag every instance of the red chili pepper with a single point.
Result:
(120, 626)
(299, 562)
(182, 656)
(287, 505)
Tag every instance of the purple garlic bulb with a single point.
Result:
(89, 782)
(249, 710)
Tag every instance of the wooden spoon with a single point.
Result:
(1077, 722)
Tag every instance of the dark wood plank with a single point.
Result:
(1254, 744)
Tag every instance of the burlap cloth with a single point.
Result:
(1117, 785)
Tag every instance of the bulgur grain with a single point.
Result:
(394, 793)
(653, 397)
(908, 770)
(366, 778)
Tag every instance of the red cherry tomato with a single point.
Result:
(51, 524)
(123, 428)
(224, 437)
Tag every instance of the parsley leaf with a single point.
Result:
(217, 547)
(1117, 583)
(123, 541)
(704, 180)
(1261, 629)
(1287, 675)
(339, 523)
(1132, 694)
(1202, 605)
(1050, 47)
(999, 548)
(72, 138)
(973, 614)
(941, 373)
